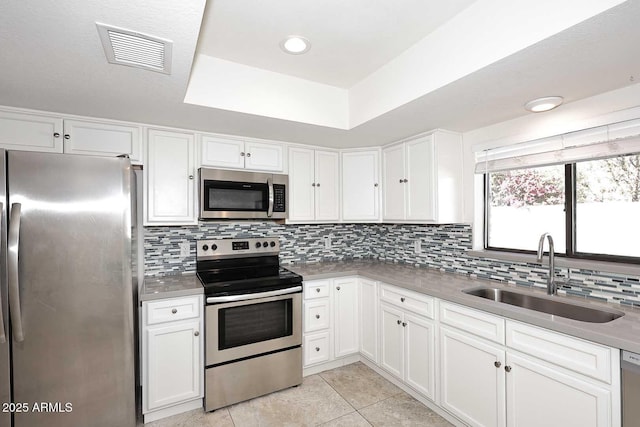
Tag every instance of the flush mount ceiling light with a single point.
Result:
(295, 45)
(547, 103)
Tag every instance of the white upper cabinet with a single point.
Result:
(170, 178)
(34, 132)
(30, 132)
(360, 185)
(423, 179)
(313, 185)
(102, 139)
(238, 154)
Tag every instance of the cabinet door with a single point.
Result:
(420, 180)
(263, 156)
(220, 152)
(391, 340)
(360, 186)
(30, 132)
(471, 382)
(393, 185)
(169, 174)
(369, 319)
(420, 354)
(172, 363)
(102, 139)
(301, 179)
(539, 394)
(345, 292)
(327, 186)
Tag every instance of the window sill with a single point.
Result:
(610, 267)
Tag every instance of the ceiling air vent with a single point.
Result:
(126, 47)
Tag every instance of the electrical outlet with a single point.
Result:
(417, 248)
(327, 242)
(185, 249)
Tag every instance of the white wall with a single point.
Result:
(609, 107)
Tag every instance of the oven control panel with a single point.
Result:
(228, 248)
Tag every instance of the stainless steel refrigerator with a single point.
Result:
(67, 336)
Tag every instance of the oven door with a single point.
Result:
(237, 328)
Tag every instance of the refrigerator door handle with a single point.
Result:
(13, 245)
(3, 336)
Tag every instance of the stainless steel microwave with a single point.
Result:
(242, 195)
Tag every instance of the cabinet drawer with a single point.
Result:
(475, 322)
(316, 315)
(316, 348)
(173, 309)
(316, 289)
(408, 300)
(584, 357)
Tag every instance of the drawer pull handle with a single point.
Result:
(318, 290)
(402, 299)
(174, 311)
(399, 322)
(317, 348)
(196, 333)
(317, 316)
(507, 368)
(497, 364)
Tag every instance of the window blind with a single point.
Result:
(600, 142)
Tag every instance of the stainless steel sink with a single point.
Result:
(545, 305)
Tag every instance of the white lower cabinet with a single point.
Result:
(488, 380)
(368, 308)
(330, 326)
(408, 342)
(172, 360)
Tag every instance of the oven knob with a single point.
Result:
(272, 244)
(258, 244)
(214, 247)
(205, 247)
(265, 244)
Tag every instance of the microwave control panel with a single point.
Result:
(279, 198)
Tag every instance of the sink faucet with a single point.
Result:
(552, 289)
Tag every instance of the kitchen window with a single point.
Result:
(591, 208)
(581, 187)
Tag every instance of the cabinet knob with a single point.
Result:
(507, 368)
(318, 290)
(313, 184)
(399, 322)
(404, 324)
(497, 364)
(67, 136)
(242, 153)
(337, 288)
(405, 180)
(56, 134)
(318, 185)
(196, 333)
(375, 185)
(317, 316)
(317, 348)
(401, 299)
(248, 154)
(174, 311)
(190, 176)
(400, 180)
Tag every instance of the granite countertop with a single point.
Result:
(623, 333)
(158, 287)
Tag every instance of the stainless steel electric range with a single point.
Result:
(253, 318)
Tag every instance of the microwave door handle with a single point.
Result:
(3, 336)
(270, 209)
(12, 267)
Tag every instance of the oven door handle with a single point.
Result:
(271, 197)
(232, 298)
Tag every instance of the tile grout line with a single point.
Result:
(319, 374)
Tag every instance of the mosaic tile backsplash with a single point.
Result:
(443, 247)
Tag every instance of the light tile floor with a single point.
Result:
(350, 396)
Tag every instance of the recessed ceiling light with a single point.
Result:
(547, 103)
(295, 45)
